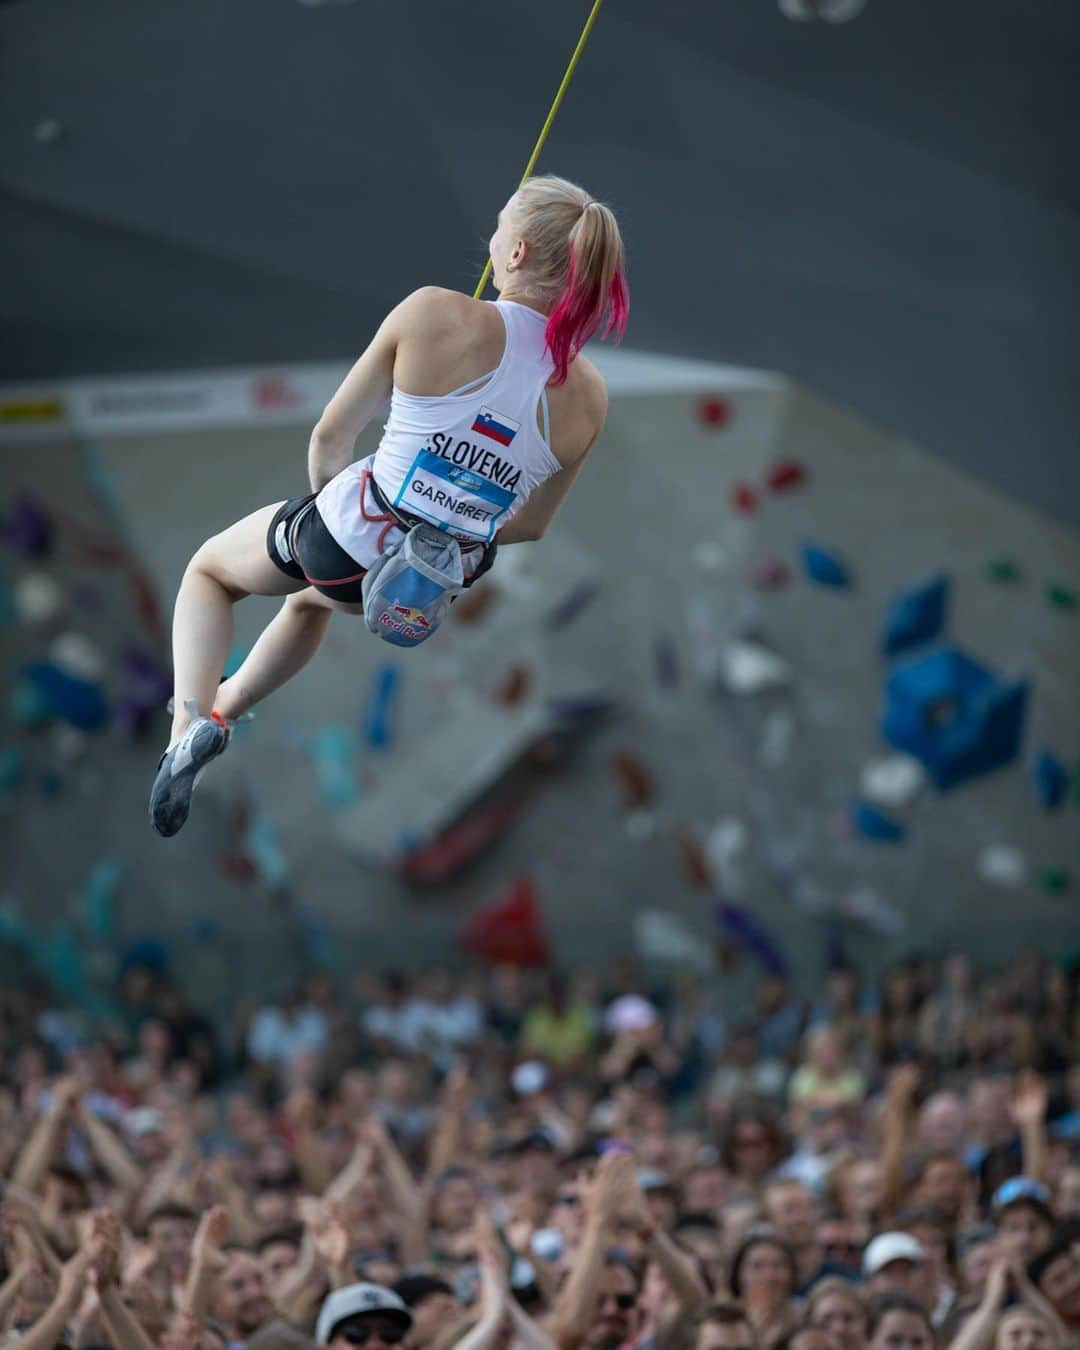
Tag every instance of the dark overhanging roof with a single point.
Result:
(885, 209)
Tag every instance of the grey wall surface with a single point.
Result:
(654, 493)
(885, 210)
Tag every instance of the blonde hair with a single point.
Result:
(575, 262)
(1026, 1310)
(829, 1286)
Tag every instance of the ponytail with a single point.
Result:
(576, 260)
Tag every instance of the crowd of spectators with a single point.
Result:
(549, 1161)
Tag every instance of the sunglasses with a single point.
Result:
(359, 1333)
(625, 1300)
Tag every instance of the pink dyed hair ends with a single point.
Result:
(580, 314)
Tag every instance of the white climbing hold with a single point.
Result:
(710, 556)
(77, 656)
(865, 904)
(38, 599)
(748, 668)
(1002, 865)
(664, 937)
(892, 781)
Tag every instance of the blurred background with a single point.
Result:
(794, 676)
(717, 863)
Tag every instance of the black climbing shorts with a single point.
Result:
(300, 545)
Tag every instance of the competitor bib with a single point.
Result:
(453, 497)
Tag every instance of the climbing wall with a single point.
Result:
(679, 702)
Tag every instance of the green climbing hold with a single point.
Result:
(1054, 879)
(1002, 569)
(1060, 596)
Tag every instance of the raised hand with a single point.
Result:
(494, 1272)
(997, 1282)
(210, 1236)
(106, 1240)
(1028, 1106)
(635, 1207)
(65, 1095)
(457, 1088)
(73, 1279)
(903, 1083)
(142, 1261)
(331, 1237)
(301, 1109)
(604, 1195)
(374, 1133)
(185, 1332)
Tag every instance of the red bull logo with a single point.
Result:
(413, 616)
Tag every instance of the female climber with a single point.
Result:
(492, 412)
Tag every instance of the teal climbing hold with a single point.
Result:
(99, 895)
(1060, 596)
(11, 768)
(30, 708)
(1055, 880)
(1002, 570)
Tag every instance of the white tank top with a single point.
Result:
(464, 461)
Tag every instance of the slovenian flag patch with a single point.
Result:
(496, 425)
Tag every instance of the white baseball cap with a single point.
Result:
(353, 1299)
(889, 1247)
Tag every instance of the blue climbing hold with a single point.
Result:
(955, 716)
(378, 715)
(876, 825)
(81, 703)
(917, 616)
(824, 567)
(1050, 780)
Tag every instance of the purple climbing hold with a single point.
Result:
(567, 610)
(825, 567)
(28, 529)
(667, 662)
(582, 710)
(917, 616)
(1050, 779)
(739, 926)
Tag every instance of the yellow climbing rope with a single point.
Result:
(563, 87)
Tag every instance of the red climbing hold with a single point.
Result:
(509, 929)
(743, 498)
(635, 779)
(786, 473)
(513, 685)
(714, 412)
(695, 864)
